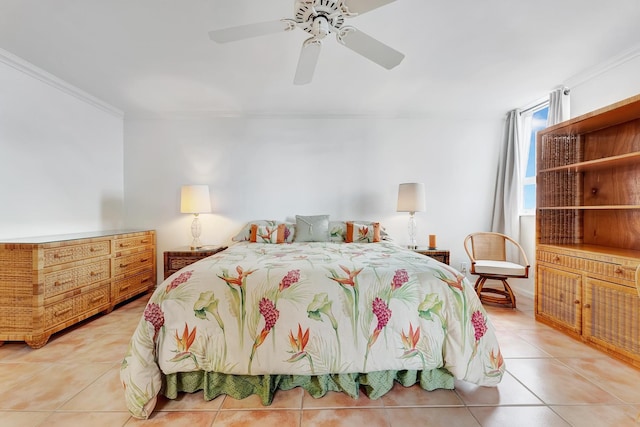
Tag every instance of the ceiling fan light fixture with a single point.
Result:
(321, 18)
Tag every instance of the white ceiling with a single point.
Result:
(154, 56)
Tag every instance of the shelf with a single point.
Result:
(585, 208)
(607, 162)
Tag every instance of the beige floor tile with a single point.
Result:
(432, 417)
(52, 387)
(617, 378)
(369, 417)
(14, 374)
(22, 419)
(555, 383)
(282, 399)
(416, 396)
(262, 418)
(521, 416)
(339, 400)
(558, 344)
(85, 419)
(507, 319)
(513, 345)
(508, 392)
(104, 394)
(175, 419)
(599, 416)
(13, 351)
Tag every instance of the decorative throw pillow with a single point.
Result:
(244, 235)
(362, 233)
(383, 232)
(337, 230)
(312, 228)
(280, 233)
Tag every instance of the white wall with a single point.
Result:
(61, 157)
(275, 168)
(612, 83)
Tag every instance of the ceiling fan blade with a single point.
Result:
(370, 48)
(364, 6)
(247, 31)
(307, 61)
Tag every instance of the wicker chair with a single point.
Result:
(489, 254)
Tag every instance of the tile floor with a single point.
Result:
(551, 380)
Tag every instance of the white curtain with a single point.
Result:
(559, 106)
(506, 217)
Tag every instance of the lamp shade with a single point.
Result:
(195, 199)
(411, 197)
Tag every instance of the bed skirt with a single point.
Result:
(373, 384)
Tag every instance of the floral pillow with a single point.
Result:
(362, 233)
(281, 233)
(244, 235)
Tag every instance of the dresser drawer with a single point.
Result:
(607, 270)
(58, 313)
(133, 262)
(94, 300)
(133, 242)
(65, 280)
(64, 254)
(89, 302)
(560, 260)
(132, 285)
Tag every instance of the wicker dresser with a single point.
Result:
(588, 229)
(50, 283)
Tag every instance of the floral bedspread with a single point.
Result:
(310, 309)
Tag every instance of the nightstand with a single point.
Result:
(437, 254)
(181, 257)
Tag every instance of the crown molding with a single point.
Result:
(611, 63)
(31, 70)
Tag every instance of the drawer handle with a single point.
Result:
(96, 299)
(587, 306)
(144, 260)
(619, 270)
(124, 288)
(92, 249)
(577, 301)
(556, 258)
(94, 274)
(64, 282)
(58, 256)
(144, 242)
(124, 265)
(62, 312)
(146, 279)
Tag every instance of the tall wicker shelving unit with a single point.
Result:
(588, 228)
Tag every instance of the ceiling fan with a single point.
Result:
(320, 18)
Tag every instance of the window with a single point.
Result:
(533, 120)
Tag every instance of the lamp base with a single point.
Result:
(196, 230)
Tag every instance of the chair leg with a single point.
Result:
(496, 296)
(511, 296)
(479, 283)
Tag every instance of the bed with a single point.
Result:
(344, 311)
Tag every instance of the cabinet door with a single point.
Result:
(611, 317)
(558, 297)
